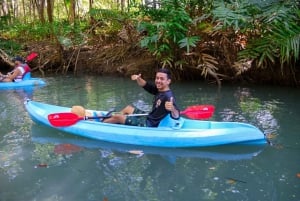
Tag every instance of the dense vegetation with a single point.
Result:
(221, 40)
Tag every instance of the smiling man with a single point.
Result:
(163, 104)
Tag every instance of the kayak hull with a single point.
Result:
(170, 133)
(26, 82)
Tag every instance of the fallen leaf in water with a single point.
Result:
(105, 199)
(136, 152)
(66, 149)
(230, 181)
(271, 136)
(298, 175)
(41, 165)
(233, 181)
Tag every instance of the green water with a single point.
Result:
(34, 166)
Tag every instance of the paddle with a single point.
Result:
(31, 56)
(199, 111)
(69, 118)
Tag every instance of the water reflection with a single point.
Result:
(136, 167)
(42, 164)
(11, 155)
(14, 131)
(253, 110)
(51, 137)
(12, 151)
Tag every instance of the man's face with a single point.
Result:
(162, 82)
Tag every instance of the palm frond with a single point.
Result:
(287, 36)
(188, 42)
(207, 64)
(279, 32)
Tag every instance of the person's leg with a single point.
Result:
(115, 119)
(127, 110)
(6, 79)
(120, 118)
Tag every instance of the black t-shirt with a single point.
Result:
(158, 108)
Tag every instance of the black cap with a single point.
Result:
(18, 58)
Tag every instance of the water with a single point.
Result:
(38, 163)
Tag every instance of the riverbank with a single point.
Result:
(100, 59)
(123, 59)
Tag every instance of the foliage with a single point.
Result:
(109, 21)
(9, 46)
(272, 29)
(287, 36)
(208, 64)
(188, 42)
(167, 30)
(39, 31)
(232, 15)
(205, 63)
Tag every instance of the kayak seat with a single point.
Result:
(103, 115)
(27, 76)
(96, 115)
(171, 123)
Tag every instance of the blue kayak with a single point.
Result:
(170, 133)
(27, 81)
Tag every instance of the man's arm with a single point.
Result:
(14, 74)
(140, 81)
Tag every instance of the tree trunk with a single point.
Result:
(40, 4)
(5, 13)
(24, 11)
(122, 4)
(50, 4)
(72, 11)
(32, 9)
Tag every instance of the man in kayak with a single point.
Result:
(163, 104)
(17, 74)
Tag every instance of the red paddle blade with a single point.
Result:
(199, 115)
(32, 56)
(63, 119)
(199, 111)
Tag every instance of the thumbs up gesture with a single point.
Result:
(135, 77)
(169, 105)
